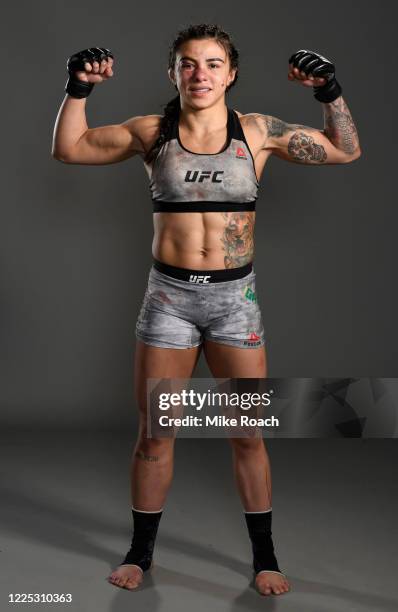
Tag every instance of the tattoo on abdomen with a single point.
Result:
(145, 457)
(237, 239)
(302, 148)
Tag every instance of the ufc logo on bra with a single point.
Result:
(193, 176)
(194, 278)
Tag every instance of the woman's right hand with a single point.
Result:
(95, 67)
(86, 68)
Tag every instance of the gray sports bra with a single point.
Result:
(183, 181)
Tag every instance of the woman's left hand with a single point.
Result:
(307, 80)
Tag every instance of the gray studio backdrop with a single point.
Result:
(76, 240)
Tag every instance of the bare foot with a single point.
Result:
(268, 583)
(127, 577)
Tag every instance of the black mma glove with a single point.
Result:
(317, 65)
(74, 86)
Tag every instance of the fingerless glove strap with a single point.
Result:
(78, 89)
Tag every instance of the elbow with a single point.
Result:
(353, 156)
(56, 156)
(59, 156)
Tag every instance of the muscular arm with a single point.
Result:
(337, 144)
(75, 143)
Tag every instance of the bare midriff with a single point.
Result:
(204, 241)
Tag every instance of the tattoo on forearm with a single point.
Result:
(302, 148)
(339, 126)
(238, 238)
(151, 458)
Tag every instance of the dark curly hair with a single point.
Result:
(172, 108)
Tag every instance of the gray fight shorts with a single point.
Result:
(179, 314)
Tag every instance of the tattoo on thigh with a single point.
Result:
(151, 458)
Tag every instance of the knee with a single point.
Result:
(155, 447)
(247, 445)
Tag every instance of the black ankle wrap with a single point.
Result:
(259, 526)
(145, 529)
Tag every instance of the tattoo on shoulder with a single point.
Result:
(276, 128)
(303, 148)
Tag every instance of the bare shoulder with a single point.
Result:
(254, 122)
(255, 127)
(145, 128)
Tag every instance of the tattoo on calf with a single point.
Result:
(145, 457)
(302, 148)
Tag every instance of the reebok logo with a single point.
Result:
(253, 340)
(254, 336)
(241, 153)
(197, 278)
(193, 176)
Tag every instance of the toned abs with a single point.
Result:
(204, 241)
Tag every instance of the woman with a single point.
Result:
(204, 161)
